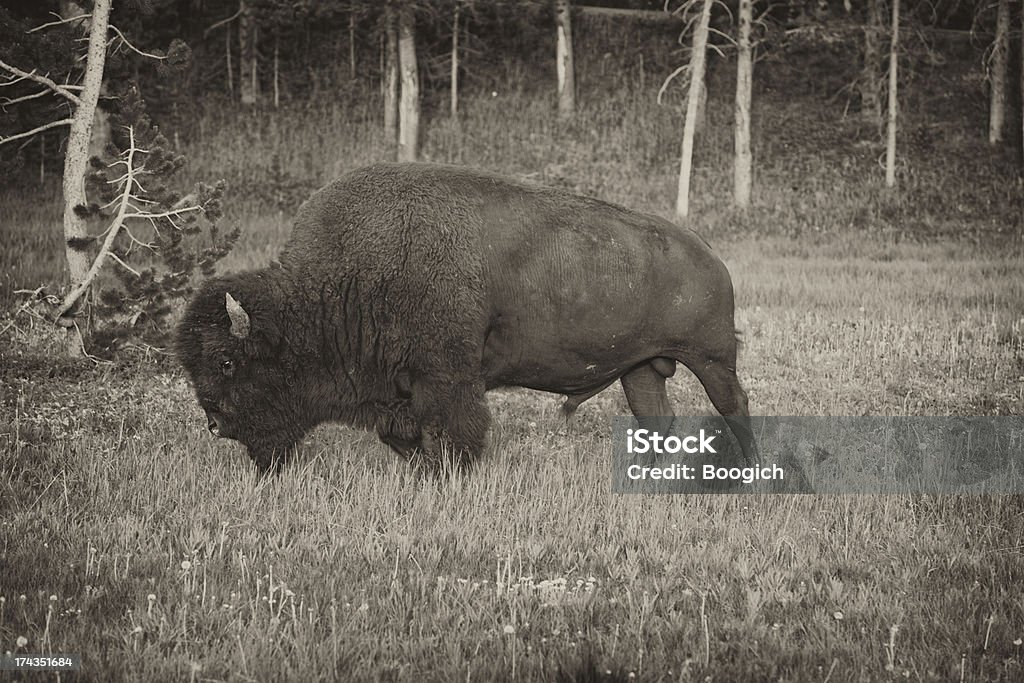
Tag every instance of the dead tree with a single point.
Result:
(997, 76)
(409, 98)
(695, 70)
(870, 82)
(564, 62)
(890, 142)
(455, 63)
(743, 164)
(390, 75)
(248, 71)
(82, 268)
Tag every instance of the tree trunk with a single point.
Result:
(409, 102)
(76, 160)
(390, 76)
(246, 54)
(697, 57)
(352, 44)
(870, 86)
(227, 59)
(277, 88)
(564, 64)
(890, 144)
(1000, 50)
(743, 164)
(455, 64)
(255, 61)
(101, 131)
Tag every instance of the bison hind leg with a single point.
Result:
(644, 387)
(723, 388)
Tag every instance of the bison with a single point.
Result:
(406, 291)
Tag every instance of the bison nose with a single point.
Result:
(212, 424)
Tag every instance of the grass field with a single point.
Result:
(133, 538)
(130, 536)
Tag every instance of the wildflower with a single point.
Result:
(22, 641)
(509, 629)
(186, 565)
(837, 615)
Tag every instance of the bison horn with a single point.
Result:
(239, 318)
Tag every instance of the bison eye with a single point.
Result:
(227, 366)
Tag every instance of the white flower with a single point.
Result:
(22, 641)
(509, 629)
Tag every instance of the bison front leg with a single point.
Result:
(398, 428)
(455, 419)
(406, 448)
(269, 456)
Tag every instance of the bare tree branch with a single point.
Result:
(38, 129)
(174, 213)
(43, 80)
(7, 101)
(671, 77)
(133, 48)
(58, 23)
(124, 265)
(222, 22)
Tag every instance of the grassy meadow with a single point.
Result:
(130, 536)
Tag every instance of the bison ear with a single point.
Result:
(239, 318)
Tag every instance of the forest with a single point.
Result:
(858, 165)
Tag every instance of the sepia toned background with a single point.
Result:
(876, 274)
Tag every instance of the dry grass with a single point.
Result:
(168, 560)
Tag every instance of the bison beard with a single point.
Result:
(408, 290)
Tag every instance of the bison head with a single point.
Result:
(230, 343)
